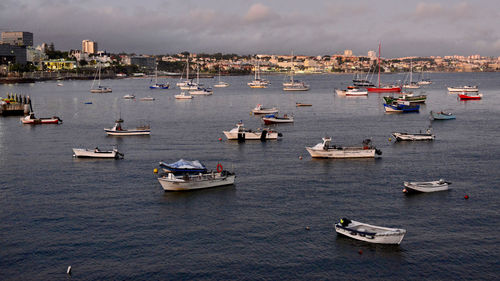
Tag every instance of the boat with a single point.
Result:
(406, 98)
(463, 89)
(356, 93)
(99, 89)
(31, 119)
(401, 107)
(427, 186)
(183, 96)
(187, 81)
(403, 136)
(362, 82)
(294, 85)
(186, 182)
(129, 97)
(380, 88)
(147, 99)
(341, 92)
(326, 150)
(470, 96)
(241, 133)
(424, 81)
(184, 166)
(156, 85)
(221, 84)
(259, 109)
(117, 130)
(442, 115)
(258, 83)
(274, 119)
(369, 233)
(60, 84)
(298, 104)
(411, 84)
(96, 153)
(202, 92)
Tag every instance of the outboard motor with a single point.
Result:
(378, 151)
(263, 135)
(241, 137)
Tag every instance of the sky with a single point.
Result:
(306, 27)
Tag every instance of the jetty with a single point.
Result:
(15, 105)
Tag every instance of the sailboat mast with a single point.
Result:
(293, 68)
(99, 81)
(411, 71)
(187, 68)
(378, 61)
(156, 74)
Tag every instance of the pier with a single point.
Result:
(15, 105)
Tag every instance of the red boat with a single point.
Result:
(31, 119)
(382, 89)
(470, 96)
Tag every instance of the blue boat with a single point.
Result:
(159, 86)
(443, 115)
(401, 107)
(184, 166)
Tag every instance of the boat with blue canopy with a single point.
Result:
(184, 166)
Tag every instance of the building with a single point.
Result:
(60, 64)
(17, 38)
(143, 61)
(372, 55)
(347, 53)
(11, 54)
(89, 47)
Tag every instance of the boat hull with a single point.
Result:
(413, 137)
(463, 89)
(250, 135)
(343, 153)
(384, 90)
(372, 234)
(99, 91)
(271, 120)
(195, 183)
(87, 153)
(35, 121)
(128, 132)
(468, 97)
(425, 186)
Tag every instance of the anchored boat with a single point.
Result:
(170, 182)
(117, 130)
(442, 115)
(369, 233)
(427, 136)
(31, 119)
(274, 119)
(427, 186)
(96, 153)
(241, 133)
(259, 109)
(326, 150)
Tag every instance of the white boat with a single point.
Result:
(463, 89)
(326, 150)
(241, 133)
(156, 85)
(411, 84)
(369, 233)
(402, 136)
(60, 84)
(99, 89)
(259, 109)
(202, 92)
(258, 83)
(129, 97)
(356, 93)
(196, 181)
(221, 84)
(274, 119)
(117, 130)
(294, 85)
(147, 99)
(183, 96)
(185, 83)
(426, 186)
(340, 92)
(96, 153)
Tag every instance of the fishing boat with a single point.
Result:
(401, 107)
(470, 96)
(186, 182)
(31, 119)
(221, 84)
(369, 233)
(403, 136)
(380, 88)
(299, 104)
(463, 89)
(259, 109)
(294, 85)
(406, 98)
(427, 186)
(258, 83)
(184, 166)
(99, 89)
(442, 115)
(183, 96)
(274, 119)
(156, 85)
(129, 97)
(326, 150)
(97, 153)
(241, 133)
(117, 130)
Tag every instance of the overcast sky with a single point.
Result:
(309, 27)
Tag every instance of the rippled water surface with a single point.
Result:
(111, 220)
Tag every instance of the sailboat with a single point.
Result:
(411, 84)
(258, 83)
(294, 85)
(99, 89)
(424, 81)
(188, 84)
(195, 89)
(157, 85)
(382, 89)
(221, 84)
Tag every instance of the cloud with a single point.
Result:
(259, 13)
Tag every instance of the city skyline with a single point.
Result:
(425, 28)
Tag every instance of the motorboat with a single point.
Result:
(442, 115)
(275, 119)
(299, 104)
(470, 96)
(426, 186)
(97, 153)
(369, 233)
(356, 93)
(401, 107)
(259, 109)
(221, 84)
(300, 86)
(129, 97)
(463, 89)
(31, 119)
(241, 133)
(406, 98)
(183, 96)
(326, 150)
(202, 92)
(184, 166)
(186, 182)
(340, 92)
(117, 130)
(402, 136)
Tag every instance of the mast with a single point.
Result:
(197, 74)
(293, 69)
(378, 61)
(187, 68)
(411, 71)
(156, 74)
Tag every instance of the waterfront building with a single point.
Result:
(60, 64)
(143, 61)
(17, 38)
(372, 55)
(12, 54)
(89, 47)
(347, 53)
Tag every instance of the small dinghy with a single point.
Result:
(274, 119)
(129, 97)
(147, 99)
(442, 115)
(184, 166)
(97, 153)
(369, 233)
(402, 136)
(183, 96)
(426, 186)
(470, 96)
(298, 104)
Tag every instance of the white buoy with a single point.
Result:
(69, 270)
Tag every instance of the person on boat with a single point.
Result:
(96, 149)
(118, 127)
